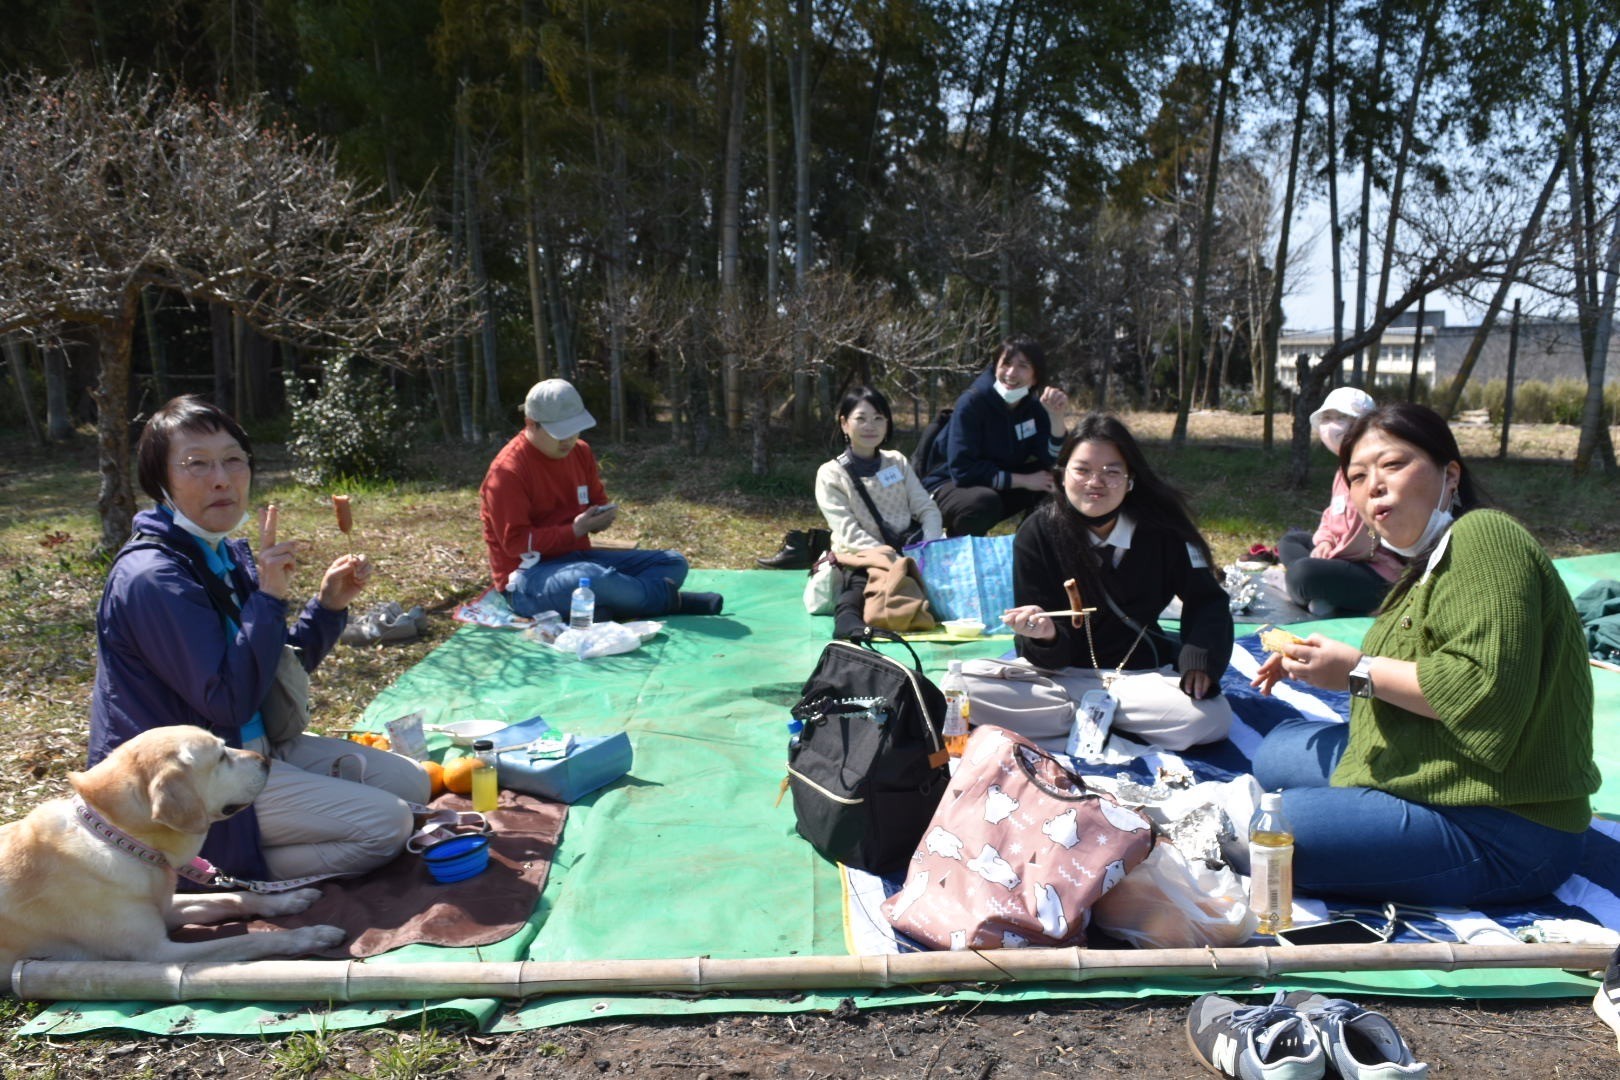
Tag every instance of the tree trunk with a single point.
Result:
(115, 502)
(1335, 222)
(1592, 421)
(1364, 225)
(1279, 268)
(219, 325)
(459, 381)
(1206, 224)
(730, 233)
(155, 347)
(532, 259)
(58, 414)
(800, 82)
(1446, 404)
(773, 185)
(1403, 157)
(475, 259)
(17, 360)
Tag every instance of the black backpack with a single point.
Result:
(869, 765)
(930, 452)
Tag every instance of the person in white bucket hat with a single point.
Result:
(541, 502)
(1341, 569)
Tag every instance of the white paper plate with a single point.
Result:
(467, 732)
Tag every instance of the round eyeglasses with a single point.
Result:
(1109, 476)
(202, 468)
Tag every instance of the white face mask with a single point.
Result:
(1331, 433)
(1011, 395)
(212, 539)
(1440, 519)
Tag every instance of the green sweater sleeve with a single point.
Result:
(1486, 629)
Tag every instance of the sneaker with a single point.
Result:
(1360, 1044)
(1606, 1002)
(1253, 1042)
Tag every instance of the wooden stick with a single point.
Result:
(352, 980)
(1068, 611)
(1604, 664)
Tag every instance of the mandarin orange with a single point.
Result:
(458, 775)
(435, 773)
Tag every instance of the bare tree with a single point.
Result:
(115, 185)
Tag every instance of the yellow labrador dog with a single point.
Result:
(68, 893)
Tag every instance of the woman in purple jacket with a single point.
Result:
(172, 650)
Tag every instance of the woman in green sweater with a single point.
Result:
(1464, 774)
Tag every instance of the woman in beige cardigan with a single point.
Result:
(870, 498)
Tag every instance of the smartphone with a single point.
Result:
(1333, 932)
(604, 508)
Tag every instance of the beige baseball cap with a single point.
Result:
(555, 405)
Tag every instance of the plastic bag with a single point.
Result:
(601, 639)
(1169, 902)
(821, 591)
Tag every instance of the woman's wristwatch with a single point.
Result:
(1361, 684)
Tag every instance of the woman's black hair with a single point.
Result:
(1149, 498)
(1428, 431)
(187, 412)
(866, 395)
(1032, 352)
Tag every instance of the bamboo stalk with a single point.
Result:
(353, 980)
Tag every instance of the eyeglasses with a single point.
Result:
(1109, 475)
(202, 468)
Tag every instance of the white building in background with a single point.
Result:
(1549, 350)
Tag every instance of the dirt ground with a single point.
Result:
(1539, 1039)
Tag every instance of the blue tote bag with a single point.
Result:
(968, 577)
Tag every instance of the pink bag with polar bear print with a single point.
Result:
(1017, 852)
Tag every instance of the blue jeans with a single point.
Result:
(628, 584)
(1368, 844)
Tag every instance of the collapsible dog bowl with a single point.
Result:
(457, 858)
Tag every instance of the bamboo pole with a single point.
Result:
(353, 980)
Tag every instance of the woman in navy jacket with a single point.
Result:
(169, 653)
(1000, 443)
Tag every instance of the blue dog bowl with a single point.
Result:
(457, 858)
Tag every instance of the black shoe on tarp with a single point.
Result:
(800, 549)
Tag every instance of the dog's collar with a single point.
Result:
(198, 870)
(108, 833)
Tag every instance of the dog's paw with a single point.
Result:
(312, 939)
(287, 903)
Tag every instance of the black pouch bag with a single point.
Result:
(869, 765)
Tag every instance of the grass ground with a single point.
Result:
(424, 535)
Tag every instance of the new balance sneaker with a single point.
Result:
(1253, 1042)
(1606, 1002)
(1360, 1044)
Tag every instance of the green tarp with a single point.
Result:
(690, 855)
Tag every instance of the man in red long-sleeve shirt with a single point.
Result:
(541, 500)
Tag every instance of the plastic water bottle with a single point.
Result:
(582, 606)
(957, 708)
(1271, 865)
(485, 790)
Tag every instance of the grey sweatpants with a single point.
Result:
(311, 822)
(1040, 704)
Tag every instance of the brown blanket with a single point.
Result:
(400, 903)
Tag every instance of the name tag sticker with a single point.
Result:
(1025, 430)
(1196, 556)
(584, 495)
(1338, 504)
(890, 476)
